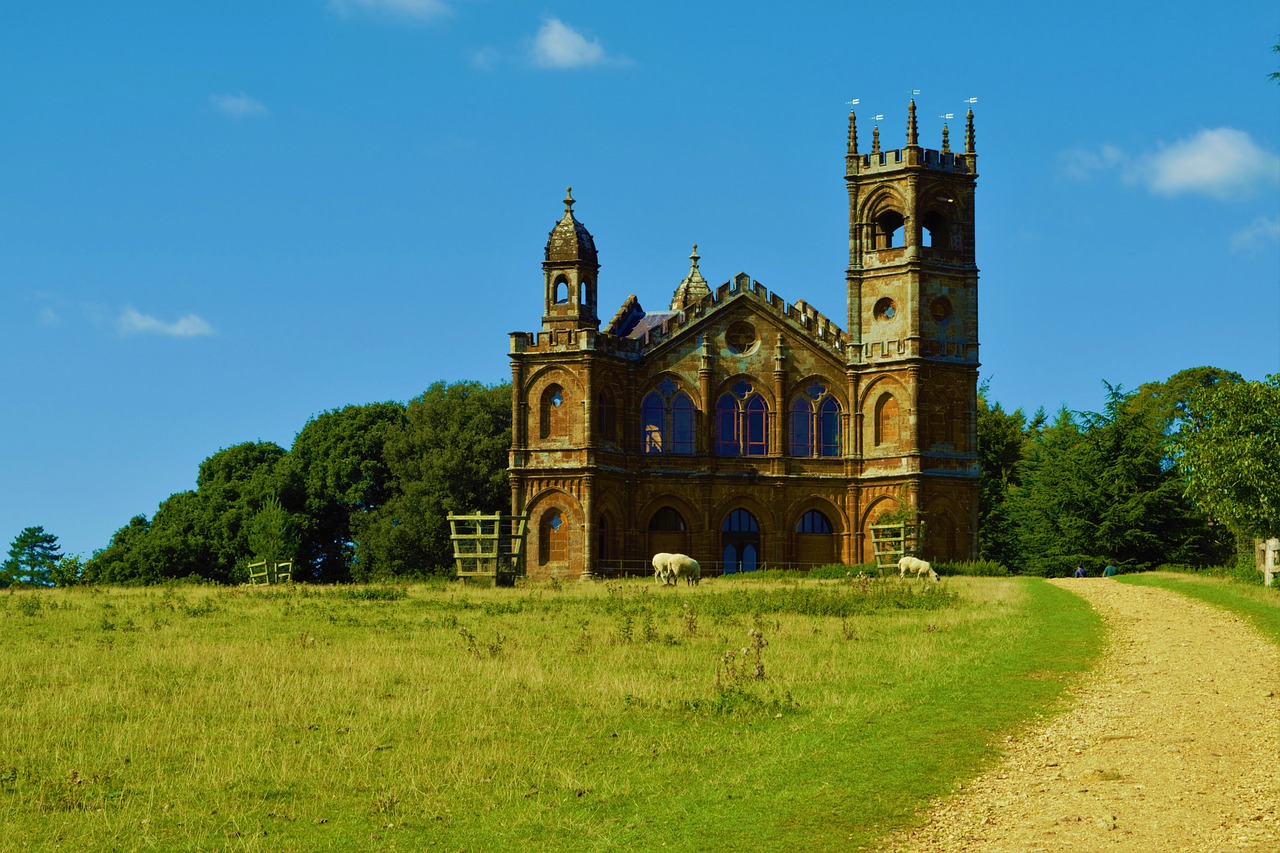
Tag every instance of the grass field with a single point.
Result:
(808, 715)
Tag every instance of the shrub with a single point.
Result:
(1064, 565)
(974, 568)
(837, 571)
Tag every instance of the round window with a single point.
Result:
(940, 308)
(885, 309)
(741, 338)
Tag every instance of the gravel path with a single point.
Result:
(1171, 744)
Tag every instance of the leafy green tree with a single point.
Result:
(68, 571)
(339, 462)
(1228, 451)
(32, 555)
(231, 487)
(122, 560)
(1000, 443)
(450, 455)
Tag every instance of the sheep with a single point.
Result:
(661, 573)
(668, 568)
(681, 566)
(918, 567)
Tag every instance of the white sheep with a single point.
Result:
(916, 566)
(669, 568)
(661, 573)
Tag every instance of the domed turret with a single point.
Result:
(570, 241)
(569, 267)
(693, 288)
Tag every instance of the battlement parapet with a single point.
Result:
(818, 327)
(894, 159)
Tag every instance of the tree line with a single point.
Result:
(1181, 472)
(1185, 471)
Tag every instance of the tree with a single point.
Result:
(1000, 443)
(32, 555)
(450, 455)
(1228, 451)
(339, 462)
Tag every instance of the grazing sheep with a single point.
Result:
(669, 568)
(916, 566)
(661, 572)
(681, 566)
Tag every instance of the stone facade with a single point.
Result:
(743, 430)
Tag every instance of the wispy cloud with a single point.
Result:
(1262, 232)
(238, 106)
(403, 10)
(558, 45)
(49, 317)
(1222, 163)
(134, 322)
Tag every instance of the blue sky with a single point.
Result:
(218, 220)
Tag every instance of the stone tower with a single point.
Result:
(570, 268)
(913, 328)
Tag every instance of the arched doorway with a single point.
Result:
(740, 542)
(668, 532)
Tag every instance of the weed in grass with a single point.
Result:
(847, 630)
(626, 629)
(690, 622)
(648, 632)
(106, 624)
(29, 605)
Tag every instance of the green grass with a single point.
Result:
(1259, 604)
(613, 716)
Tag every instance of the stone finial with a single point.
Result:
(968, 133)
(946, 139)
(853, 133)
(875, 140)
(568, 199)
(913, 135)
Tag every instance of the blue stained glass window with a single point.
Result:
(829, 428)
(801, 428)
(727, 426)
(756, 427)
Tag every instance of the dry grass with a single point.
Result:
(588, 717)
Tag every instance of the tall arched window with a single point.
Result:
(742, 422)
(815, 423)
(667, 417)
(887, 428)
(815, 542)
(740, 542)
(813, 521)
(887, 226)
(552, 415)
(562, 291)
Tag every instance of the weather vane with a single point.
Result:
(970, 101)
(915, 92)
(947, 116)
(854, 102)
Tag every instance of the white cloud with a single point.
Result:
(1221, 163)
(558, 45)
(1260, 233)
(238, 106)
(49, 317)
(133, 322)
(405, 10)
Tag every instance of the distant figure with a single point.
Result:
(1080, 572)
(1110, 572)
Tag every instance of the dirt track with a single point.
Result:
(1172, 743)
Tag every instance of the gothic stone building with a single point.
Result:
(746, 431)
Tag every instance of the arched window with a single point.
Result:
(801, 427)
(742, 422)
(935, 232)
(815, 431)
(562, 291)
(813, 521)
(887, 226)
(740, 542)
(604, 549)
(552, 415)
(887, 428)
(667, 417)
(815, 542)
(582, 293)
(668, 519)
